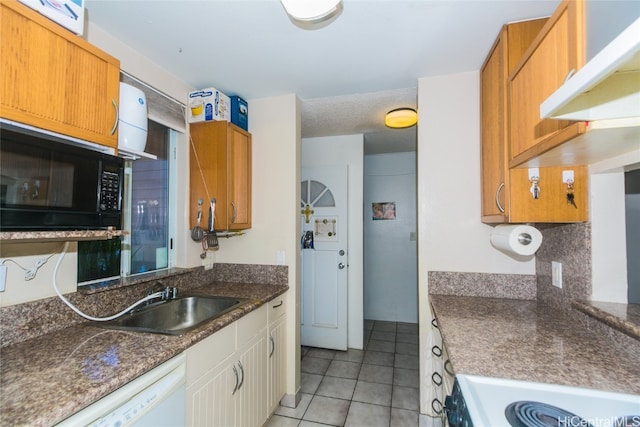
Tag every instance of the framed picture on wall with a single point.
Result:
(383, 210)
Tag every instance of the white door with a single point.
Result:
(323, 206)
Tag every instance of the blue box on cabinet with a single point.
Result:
(239, 112)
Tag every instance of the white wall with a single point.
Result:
(349, 150)
(450, 234)
(19, 290)
(608, 232)
(390, 255)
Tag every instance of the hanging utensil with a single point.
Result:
(197, 233)
(212, 237)
(205, 248)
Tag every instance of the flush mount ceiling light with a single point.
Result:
(310, 14)
(401, 118)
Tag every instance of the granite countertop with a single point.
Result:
(526, 340)
(622, 317)
(46, 379)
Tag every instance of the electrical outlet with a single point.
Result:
(556, 274)
(208, 261)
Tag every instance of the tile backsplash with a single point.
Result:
(491, 285)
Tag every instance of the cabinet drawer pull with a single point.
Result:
(500, 187)
(273, 346)
(115, 124)
(436, 405)
(278, 304)
(434, 322)
(235, 387)
(436, 378)
(437, 351)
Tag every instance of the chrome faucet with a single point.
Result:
(164, 293)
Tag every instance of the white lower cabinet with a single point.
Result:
(251, 402)
(277, 343)
(227, 375)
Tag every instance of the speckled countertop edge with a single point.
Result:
(528, 341)
(613, 320)
(46, 379)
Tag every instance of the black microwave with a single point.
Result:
(46, 185)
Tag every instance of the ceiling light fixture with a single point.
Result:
(309, 14)
(401, 118)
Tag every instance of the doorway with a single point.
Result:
(390, 238)
(345, 151)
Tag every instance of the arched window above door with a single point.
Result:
(316, 194)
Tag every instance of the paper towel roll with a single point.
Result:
(516, 239)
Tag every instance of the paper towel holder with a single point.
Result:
(525, 238)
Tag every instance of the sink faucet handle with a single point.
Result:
(171, 292)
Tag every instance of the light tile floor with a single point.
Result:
(377, 386)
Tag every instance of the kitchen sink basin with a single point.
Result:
(176, 316)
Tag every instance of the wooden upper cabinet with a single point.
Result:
(55, 80)
(512, 42)
(220, 168)
(557, 51)
(506, 192)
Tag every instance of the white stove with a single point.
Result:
(497, 402)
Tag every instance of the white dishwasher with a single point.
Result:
(156, 398)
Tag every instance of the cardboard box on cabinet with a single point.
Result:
(208, 104)
(240, 112)
(68, 13)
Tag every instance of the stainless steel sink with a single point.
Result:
(174, 317)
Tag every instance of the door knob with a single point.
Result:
(341, 266)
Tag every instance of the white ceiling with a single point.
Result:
(348, 74)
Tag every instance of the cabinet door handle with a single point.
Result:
(569, 74)
(278, 305)
(115, 124)
(273, 346)
(448, 368)
(242, 372)
(235, 387)
(233, 212)
(500, 187)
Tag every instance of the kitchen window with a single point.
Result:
(149, 206)
(147, 216)
(147, 192)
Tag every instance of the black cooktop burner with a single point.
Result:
(526, 413)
